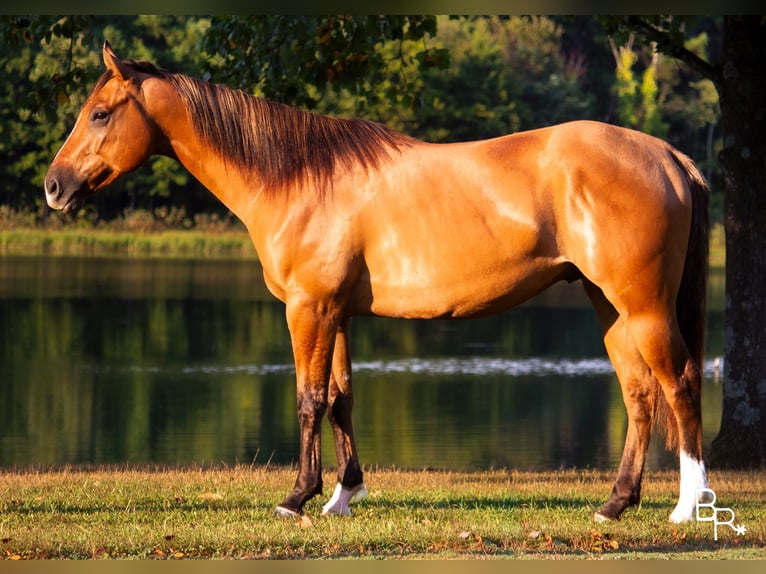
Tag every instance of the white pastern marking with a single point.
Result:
(693, 477)
(342, 497)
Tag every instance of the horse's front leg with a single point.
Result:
(313, 336)
(350, 486)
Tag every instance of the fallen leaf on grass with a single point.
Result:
(305, 522)
(210, 496)
(601, 542)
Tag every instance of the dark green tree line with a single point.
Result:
(49, 67)
(441, 79)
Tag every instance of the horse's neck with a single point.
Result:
(181, 141)
(234, 189)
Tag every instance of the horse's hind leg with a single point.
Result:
(658, 338)
(639, 388)
(350, 487)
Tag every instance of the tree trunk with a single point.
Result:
(741, 442)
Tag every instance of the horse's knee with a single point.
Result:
(339, 408)
(312, 404)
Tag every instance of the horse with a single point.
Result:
(351, 218)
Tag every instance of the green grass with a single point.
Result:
(226, 513)
(105, 242)
(139, 233)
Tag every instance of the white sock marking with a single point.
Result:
(693, 476)
(342, 497)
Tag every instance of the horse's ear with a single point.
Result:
(113, 63)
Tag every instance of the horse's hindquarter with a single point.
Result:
(457, 230)
(625, 210)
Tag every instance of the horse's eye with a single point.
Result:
(99, 116)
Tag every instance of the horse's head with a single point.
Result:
(112, 136)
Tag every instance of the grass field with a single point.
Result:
(226, 513)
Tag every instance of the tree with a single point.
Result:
(741, 84)
(506, 74)
(739, 77)
(35, 85)
(637, 105)
(294, 58)
(50, 63)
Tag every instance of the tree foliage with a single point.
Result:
(506, 75)
(294, 59)
(438, 78)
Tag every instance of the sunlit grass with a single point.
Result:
(717, 246)
(227, 513)
(188, 243)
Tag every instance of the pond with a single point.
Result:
(164, 361)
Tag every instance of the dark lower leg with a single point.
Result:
(339, 413)
(341, 402)
(311, 408)
(639, 404)
(626, 491)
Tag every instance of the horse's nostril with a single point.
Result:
(51, 186)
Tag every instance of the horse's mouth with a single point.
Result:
(72, 205)
(67, 204)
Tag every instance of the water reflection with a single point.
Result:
(163, 361)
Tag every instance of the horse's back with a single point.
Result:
(458, 230)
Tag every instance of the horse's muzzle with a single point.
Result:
(60, 192)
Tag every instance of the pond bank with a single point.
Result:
(97, 242)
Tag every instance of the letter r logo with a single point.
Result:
(708, 496)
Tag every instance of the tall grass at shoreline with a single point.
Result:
(145, 234)
(140, 234)
(225, 512)
(189, 243)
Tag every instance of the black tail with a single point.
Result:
(691, 301)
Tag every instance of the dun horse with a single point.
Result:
(351, 218)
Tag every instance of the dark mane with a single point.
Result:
(284, 145)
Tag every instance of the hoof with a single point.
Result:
(341, 498)
(283, 512)
(358, 493)
(680, 515)
(598, 517)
